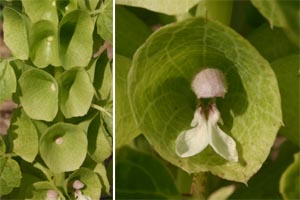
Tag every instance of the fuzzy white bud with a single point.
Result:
(78, 185)
(52, 195)
(209, 83)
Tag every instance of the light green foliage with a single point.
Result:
(39, 190)
(15, 33)
(76, 39)
(63, 147)
(286, 70)
(163, 103)
(41, 10)
(101, 171)
(44, 44)
(170, 7)
(126, 128)
(76, 92)
(144, 174)
(24, 136)
(8, 82)
(100, 142)
(10, 175)
(39, 94)
(105, 21)
(90, 180)
(290, 180)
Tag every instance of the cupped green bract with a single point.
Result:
(15, 33)
(100, 142)
(92, 185)
(8, 82)
(39, 190)
(63, 147)
(76, 39)
(105, 21)
(44, 44)
(41, 10)
(163, 102)
(24, 136)
(10, 175)
(76, 92)
(39, 94)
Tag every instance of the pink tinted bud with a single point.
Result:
(209, 83)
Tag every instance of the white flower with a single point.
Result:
(206, 132)
(78, 195)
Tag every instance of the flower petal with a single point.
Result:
(199, 117)
(222, 143)
(192, 141)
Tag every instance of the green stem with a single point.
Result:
(216, 10)
(59, 180)
(96, 12)
(8, 155)
(198, 188)
(101, 109)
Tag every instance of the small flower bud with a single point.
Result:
(52, 195)
(78, 185)
(59, 140)
(209, 83)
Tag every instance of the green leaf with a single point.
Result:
(41, 10)
(164, 104)
(126, 128)
(39, 190)
(89, 5)
(76, 39)
(100, 143)
(101, 171)
(39, 94)
(92, 185)
(163, 6)
(76, 92)
(283, 14)
(8, 82)
(105, 21)
(44, 44)
(129, 39)
(271, 43)
(287, 73)
(63, 147)
(10, 175)
(290, 179)
(24, 136)
(141, 174)
(106, 86)
(15, 33)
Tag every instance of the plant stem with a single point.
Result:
(59, 180)
(198, 188)
(101, 109)
(8, 155)
(216, 10)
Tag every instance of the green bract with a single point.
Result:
(39, 94)
(8, 82)
(105, 21)
(76, 39)
(15, 34)
(63, 147)
(76, 92)
(44, 44)
(10, 175)
(163, 102)
(92, 186)
(39, 190)
(24, 136)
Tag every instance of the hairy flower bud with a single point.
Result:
(209, 83)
